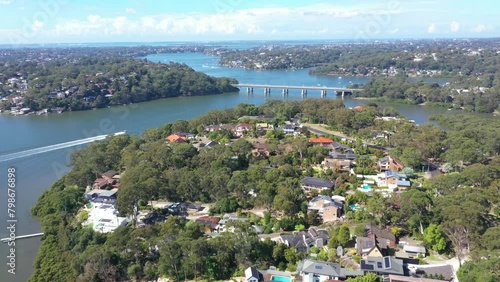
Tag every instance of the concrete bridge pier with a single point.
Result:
(285, 92)
(267, 91)
(303, 93)
(343, 94)
(323, 93)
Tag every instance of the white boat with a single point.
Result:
(120, 133)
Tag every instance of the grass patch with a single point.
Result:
(432, 257)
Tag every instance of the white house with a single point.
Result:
(253, 275)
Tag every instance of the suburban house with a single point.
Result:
(414, 251)
(393, 180)
(310, 184)
(445, 271)
(328, 208)
(102, 196)
(398, 278)
(341, 156)
(253, 275)
(368, 247)
(219, 127)
(186, 134)
(176, 138)
(104, 218)
(337, 165)
(210, 223)
(228, 218)
(385, 239)
(322, 141)
(260, 149)
(242, 129)
(290, 129)
(389, 163)
(209, 144)
(341, 148)
(320, 271)
(383, 265)
(305, 239)
(107, 179)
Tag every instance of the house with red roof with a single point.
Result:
(322, 141)
(176, 138)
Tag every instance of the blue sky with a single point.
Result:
(77, 21)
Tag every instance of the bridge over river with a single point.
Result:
(323, 89)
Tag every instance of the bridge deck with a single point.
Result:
(296, 87)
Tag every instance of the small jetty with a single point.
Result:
(5, 240)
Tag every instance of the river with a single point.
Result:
(36, 172)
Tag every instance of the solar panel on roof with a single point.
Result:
(365, 266)
(387, 262)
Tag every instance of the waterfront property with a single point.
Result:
(104, 218)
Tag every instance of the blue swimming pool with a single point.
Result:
(280, 278)
(354, 206)
(366, 187)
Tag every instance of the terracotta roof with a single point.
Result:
(320, 140)
(176, 138)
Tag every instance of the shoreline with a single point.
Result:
(35, 113)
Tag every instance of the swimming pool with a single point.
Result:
(280, 278)
(354, 206)
(366, 187)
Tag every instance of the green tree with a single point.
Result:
(480, 270)
(368, 277)
(434, 238)
(411, 157)
(344, 235)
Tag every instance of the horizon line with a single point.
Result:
(256, 40)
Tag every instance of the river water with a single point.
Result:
(36, 172)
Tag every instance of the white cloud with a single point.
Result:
(5, 2)
(241, 22)
(394, 31)
(130, 11)
(454, 26)
(38, 25)
(482, 28)
(432, 28)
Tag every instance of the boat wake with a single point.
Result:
(209, 67)
(36, 151)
